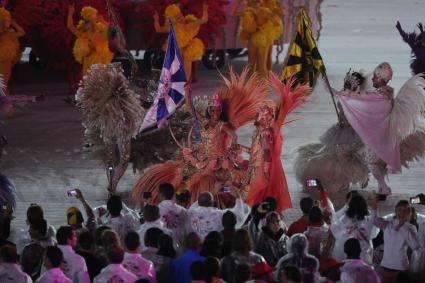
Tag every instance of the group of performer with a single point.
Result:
(376, 133)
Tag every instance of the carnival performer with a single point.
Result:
(91, 46)
(214, 160)
(266, 177)
(417, 43)
(10, 50)
(112, 113)
(261, 25)
(186, 29)
(391, 131)
(340, 150)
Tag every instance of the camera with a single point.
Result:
(72, 193)
(415, 200)
(313, 183)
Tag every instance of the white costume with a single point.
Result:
(207, 219)
(139, 266)
(54, 275)
(356, 270)
(12, 273)
(115, 273)
(24, 237)
(175, 218)
(74, 265)
(147, 225)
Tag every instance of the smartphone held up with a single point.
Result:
(72, 193)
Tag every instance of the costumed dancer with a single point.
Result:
(92, 45)
(417, 44)
(10, 51)
(214, 160)
(111, 112)
(265, 177)
(261, 25)
(338, 160)
(186, 29)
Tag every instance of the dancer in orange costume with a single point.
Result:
(265, 175)
(186, 29)
(215, 160)
(261, 25)
(10, 51)
(91, 46)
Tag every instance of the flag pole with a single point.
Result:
(325, 76)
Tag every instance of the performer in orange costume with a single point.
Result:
(10, 52)
(186, 29)
(91, 46)
(265, 175)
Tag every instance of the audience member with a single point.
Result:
(229, 223)
(262, 272)
(271, 242)
(5, 220)
(289, 274)
(205, 218)
(152, 219)
(119, 221)
(180, 267)
(183, 197)
(341, 212)
(166, 253)
(355, 269)
(399, 235)
(212, 270)
(355, 223)
(115, 271)
(73, 265)
(301, 225)
(212, 245)
(86, 249)
(52, 261)
(197, 272)
(10, 270)
(317, 234)
(151, 243)
(133, 260)
(299, 257)
(242, 253)
(242, 273)
(173, 215)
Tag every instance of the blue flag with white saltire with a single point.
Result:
(171, 92)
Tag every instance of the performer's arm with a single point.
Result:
(267, 145)
(19, 30)
(405, 36)
(158, 28)
(204, 18)
(70, 21)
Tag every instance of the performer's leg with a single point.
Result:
(378, 171)
(262, 59)
(252, 57)
(269, 58)
(187, 68)
(118, 173)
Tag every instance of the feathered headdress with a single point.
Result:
(241, 96)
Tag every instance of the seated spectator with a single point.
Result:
(73, 265)
(300, 258)
(242, 273)
(354, 269)
(355, 223)
(173, 215)
(35, 216)
(10, 271)
(115, 271)
(242, 253)
(33, 253)
(180, 267)
(52, 261)
(120, 222)
(205, 218)
(399, 235)
(151, 243)
(229, 223)
(271, 242)
(133, 260)
(301, 225)
(212, 270)
(318, 234)
(212, 245)
(166, 253)
(289, 274)
(152, 219)
(197, 272)
(85, 248)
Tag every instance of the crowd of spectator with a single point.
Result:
(174, 243)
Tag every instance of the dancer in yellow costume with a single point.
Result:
(186, 29)
(261, 25)
(91, 46)
(10, 51)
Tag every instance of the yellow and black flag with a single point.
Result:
(303, 59)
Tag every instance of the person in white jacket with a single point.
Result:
(355, 269)
(10, 271)
(205, 218)
(52, 261)
(115, 271)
